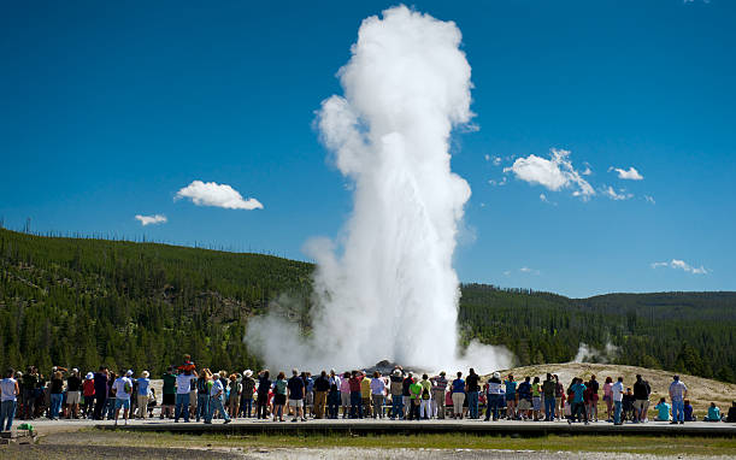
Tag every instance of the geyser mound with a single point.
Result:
(388, 289)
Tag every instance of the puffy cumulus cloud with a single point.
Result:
(628, 174)
(681, 265)
(151, 220)
(218, 195)
(554, 173)
(616, 196)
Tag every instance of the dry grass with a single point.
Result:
(701, 391)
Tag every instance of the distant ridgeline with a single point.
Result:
(83, 302)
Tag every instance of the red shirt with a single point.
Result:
(89, 388)
(355, 383)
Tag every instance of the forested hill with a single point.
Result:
(82, 302)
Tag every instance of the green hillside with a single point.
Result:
(83, 302)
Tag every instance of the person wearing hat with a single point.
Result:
(88, 392)
(246, 397)
(396, 390)
(144, 384)
(439, 389)
(494, 395)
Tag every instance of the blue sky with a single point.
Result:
(108, 110)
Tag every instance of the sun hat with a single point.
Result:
(145, 374)
(496, 375)
(247, 372)
(90, 376)
(129, 373)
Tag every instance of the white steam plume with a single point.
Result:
(389, 290)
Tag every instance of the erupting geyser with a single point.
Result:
(390, 291)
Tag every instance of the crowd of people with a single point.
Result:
(189, 394)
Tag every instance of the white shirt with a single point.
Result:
(119, 387)
(617, 391)
(377, 386)
(216, 388)
(184, 384)
(7, 387)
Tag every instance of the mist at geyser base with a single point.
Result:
(387, 288)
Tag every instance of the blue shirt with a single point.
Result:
(579, 392)
(143, 386)
(510, 387)
(458, 386)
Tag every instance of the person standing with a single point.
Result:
(642, 390)
(525, 398)
(264, 386)
(57, 394)
(494, 395)
(345, 394)
(142, 396)
(217, 399)
(549, 391)
(378, 387)
(472, 383)
(592, 409)
(100, 392)
(9, 392)
(356, 401)
(458, 396)
(73, 394)
(396, 388)
(678, 393)
(183, 388)
(415, 392)
(510, 385)
(88, 391)
(246, 397)
(617, 394)
(29, 383)
(295, 388)
(537, 399)
(308, 394)
(607, 398)
(235, 388)
(122, 389)
(578, 401)
(321, 388)
(365, 395)
(169, 393)
(438, 394)
(279, 396)
(425, 409)
(333, 397)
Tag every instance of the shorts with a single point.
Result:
(594, 398)
(295, 402)
(641, 405)
(279, 399)
(345, 398)
(169, 400)
(510, 396)
(122, 403)
(72, 397)
(525, 404)
(537, 403)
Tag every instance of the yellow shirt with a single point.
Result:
(365, 388)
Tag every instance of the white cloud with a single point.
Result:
(543, 197)
(497, 161)
(507, 272)
(554, 173)
(528, 270)
(497, 183)
(681, 265)
(218, 195)
(628, 174)
(587, 171)
(649, 199)
(617, 196)
(487, 157)
(151, 220)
